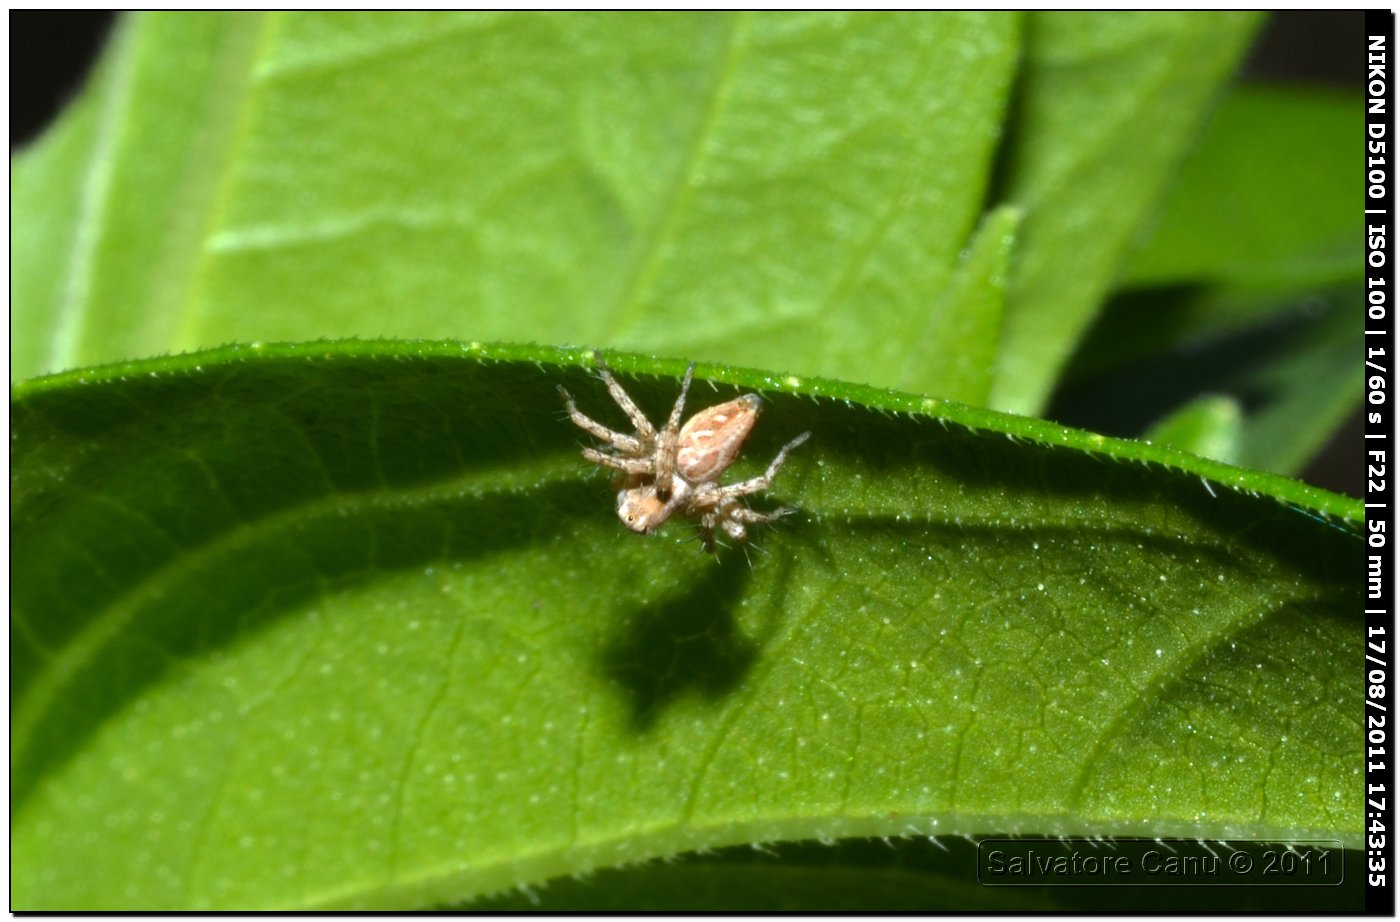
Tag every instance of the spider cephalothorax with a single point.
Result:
(677, 470)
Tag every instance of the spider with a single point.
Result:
(676, 470)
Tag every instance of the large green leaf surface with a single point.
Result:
(352, 624)
(778, 190)
(528, 177)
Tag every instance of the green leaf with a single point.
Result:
(1209, 427)
(1312, 382)
(351, 624)
(777, 189)
(1107, 107)
(117, 202)
(1265, 202)
(956, 352)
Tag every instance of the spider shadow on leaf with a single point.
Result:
(686, 643)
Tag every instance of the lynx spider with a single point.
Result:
(677, 470)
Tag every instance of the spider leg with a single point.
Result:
(674, 423)
(721, 510)
(624, 400)
(732, 516)
(734, 529)
(708, 521)
(627, 443)
(627, 465)
(738, 515)
(666, 442)
(764, 480)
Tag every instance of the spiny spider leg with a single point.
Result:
(764, 480)
(623, 400)
(753, 516)
(627, 465)
(666, 444)
(625, 443)
(674, 422)
(731, 518)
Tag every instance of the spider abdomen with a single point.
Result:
(711, 440)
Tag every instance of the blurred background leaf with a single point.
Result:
(1245, 285)
(549, 178)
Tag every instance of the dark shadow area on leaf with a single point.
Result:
(232, 588)
(687, 643)
(155, 467)
(191, 509)
(1134, 325)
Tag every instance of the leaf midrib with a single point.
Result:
(646, 263)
